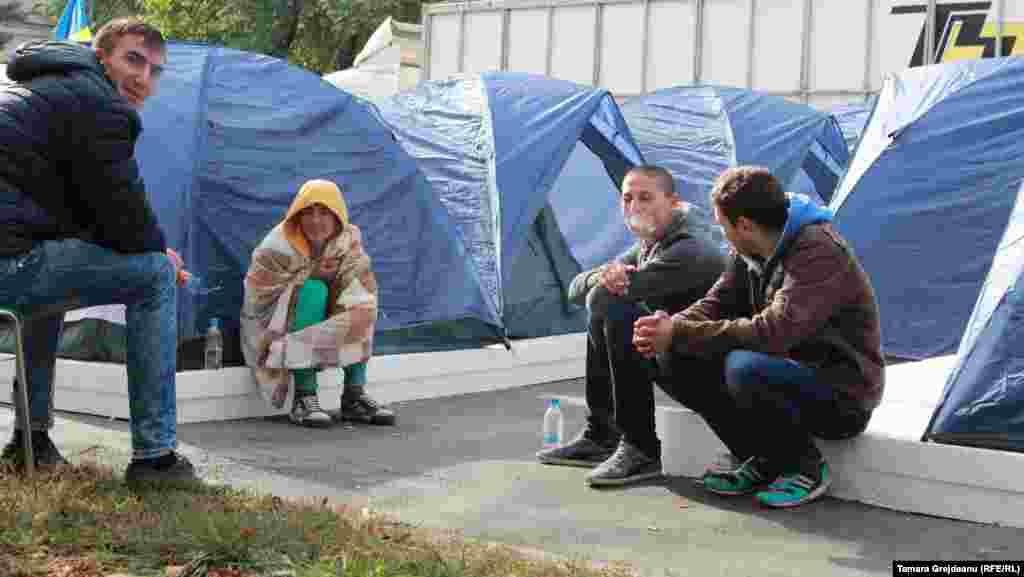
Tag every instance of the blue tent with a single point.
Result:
(983, 401)
(929, 193)
(699, 131)
(227, 142)
(852, 119)
(493, 146)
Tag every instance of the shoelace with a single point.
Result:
(313, 404)
(365, 401)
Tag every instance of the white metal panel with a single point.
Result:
(527, 41)
(724, 55)
(622, 48)
(838, 41)
(444, 45)
(573, 44)
(672, 29)
(483, 42)
(778, 44)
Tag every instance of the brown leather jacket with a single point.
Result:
(812, 302)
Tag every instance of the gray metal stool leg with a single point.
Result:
(21, 394)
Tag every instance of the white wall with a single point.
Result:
(817, 51)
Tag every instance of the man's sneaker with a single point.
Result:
(170, 468)
(793, 489)
(745, 479)
(360, 408)
(306, 411)
(588, 449)
(44, 452)
(723, 463)
(627, 464)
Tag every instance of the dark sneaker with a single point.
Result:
(745, 479)
(306, 411)
(794, 489)
(360, 408)
(586, 450)
(44, 452)
(172, 468)
(724, 462)
(626, 465)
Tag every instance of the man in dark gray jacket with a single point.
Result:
(676, 261)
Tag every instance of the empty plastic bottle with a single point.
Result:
(214, 346)
(554, 425)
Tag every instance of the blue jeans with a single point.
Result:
(761, 405)
(62, 275)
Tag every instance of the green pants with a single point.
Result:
(310, 309)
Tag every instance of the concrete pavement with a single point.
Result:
(466, 463)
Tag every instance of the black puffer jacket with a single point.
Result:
(67, 155)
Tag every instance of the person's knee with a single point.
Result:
(314, 291)
(597, 303)
(742, 373)
(603, 305)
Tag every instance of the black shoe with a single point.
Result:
(588, 449)
(360, 408)
(44, 452)
(170, 468)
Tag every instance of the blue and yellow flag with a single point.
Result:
(73, 23)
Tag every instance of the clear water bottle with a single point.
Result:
(214, 346)
(554, 425)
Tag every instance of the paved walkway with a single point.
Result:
(467, 463)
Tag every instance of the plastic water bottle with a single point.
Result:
(214, 346)
(554, 425)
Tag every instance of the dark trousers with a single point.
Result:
(620, 382)
(761, 405)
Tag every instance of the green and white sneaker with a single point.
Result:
(795, 489)
(748, 478)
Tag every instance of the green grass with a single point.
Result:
(83, 521)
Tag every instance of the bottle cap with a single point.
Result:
(556, 403)
(214, 322)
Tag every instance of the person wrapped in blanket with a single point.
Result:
(311, 304)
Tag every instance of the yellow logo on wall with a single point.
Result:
(962, 32)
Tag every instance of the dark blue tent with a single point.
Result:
(983, 401)
(229, 139)
(699, 131)
(852, 119)
(929, 193)
(493, 146)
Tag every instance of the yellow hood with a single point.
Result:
(313, 192)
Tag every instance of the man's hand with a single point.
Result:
(327, 269)
(181, 274)
(615, 278)
(653, 334)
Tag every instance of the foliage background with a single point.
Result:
(321, 35)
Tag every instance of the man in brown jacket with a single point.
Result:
(785, 347)
(677, 259)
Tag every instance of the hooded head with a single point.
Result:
(316, 216)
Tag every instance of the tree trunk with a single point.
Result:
(286, 26)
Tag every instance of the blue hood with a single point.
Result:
(802, 212)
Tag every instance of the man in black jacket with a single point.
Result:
(676, 261)
(77, 230)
